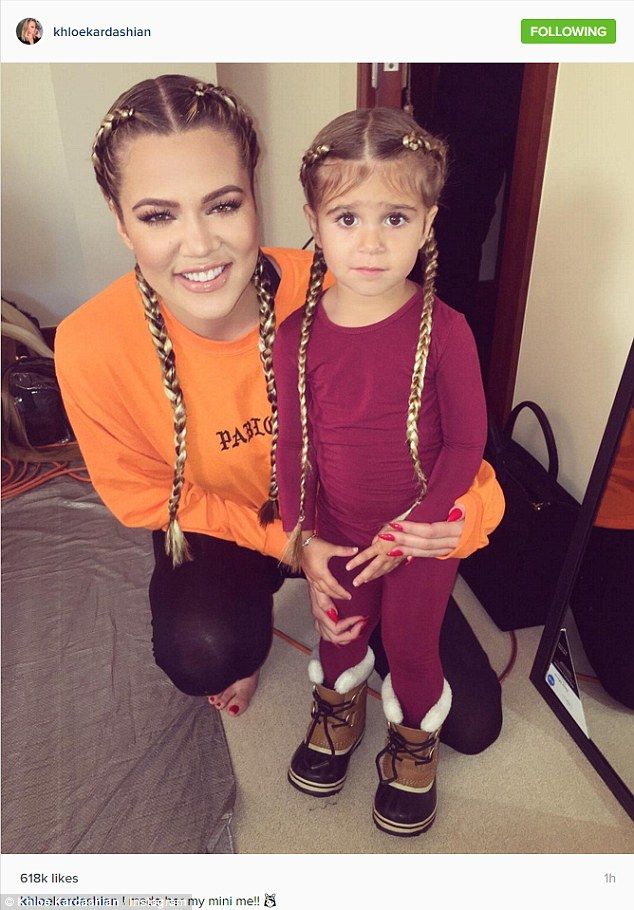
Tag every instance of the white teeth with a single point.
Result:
(204, 276)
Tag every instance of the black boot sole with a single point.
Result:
(399, 830)
(314, 788)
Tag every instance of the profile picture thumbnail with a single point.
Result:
(29, 31)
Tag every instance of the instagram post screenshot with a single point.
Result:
(317, 454)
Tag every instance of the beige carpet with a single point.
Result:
(533, 791)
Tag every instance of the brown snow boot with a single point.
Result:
(320, 763)
(405, 800)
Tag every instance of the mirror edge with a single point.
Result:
(607, 449)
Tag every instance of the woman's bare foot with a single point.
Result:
(236, 698)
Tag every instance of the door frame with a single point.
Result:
(518, 241)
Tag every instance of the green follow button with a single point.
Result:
(568, 31)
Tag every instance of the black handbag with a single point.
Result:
(514, 577)
(34, 423)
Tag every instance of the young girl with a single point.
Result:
(382, 416)
(166, 376)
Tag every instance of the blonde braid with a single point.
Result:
(176, 544)
(293, 551)
(101, 152)
(420, 361)
(269, 510)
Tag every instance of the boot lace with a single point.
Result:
(329, 714)
(397, 748)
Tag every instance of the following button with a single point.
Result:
(568, 31)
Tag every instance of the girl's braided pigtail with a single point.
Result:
(293, 551)
(176, 544)
(269, 511)
(430, 251)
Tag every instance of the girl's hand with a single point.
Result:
(340, 632)
(315, 558)
(379, 552)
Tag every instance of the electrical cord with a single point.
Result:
(21, 476)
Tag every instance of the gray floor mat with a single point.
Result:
(101, 754)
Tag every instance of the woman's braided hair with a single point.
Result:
(162, 106)
(364, 138)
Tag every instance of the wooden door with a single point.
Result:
(382, 85)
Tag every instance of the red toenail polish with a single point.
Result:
(234, 709)
(395, 553)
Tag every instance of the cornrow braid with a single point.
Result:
(269, 511)
(420, 361)
(314, 154)
(293, 551)
(201, 90)
(176, 544)
(113, 119)
(169, 104)
(415, 141)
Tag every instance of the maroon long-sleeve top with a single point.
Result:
(358, 383)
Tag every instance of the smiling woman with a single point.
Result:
(167, 379)
(195, 240)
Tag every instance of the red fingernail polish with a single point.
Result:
(387, 537)
(332, 614)
(234, 709)
(454, 515)
(395, 525)
(395, 553)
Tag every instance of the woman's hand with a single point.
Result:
(408, 539)
(379, 553)
(315, 556)
(327, 623)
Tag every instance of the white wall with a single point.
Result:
(580, 310)
(59, 245)
(290, 103)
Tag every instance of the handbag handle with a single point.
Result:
(507, 432)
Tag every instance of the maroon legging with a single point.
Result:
(410, 602)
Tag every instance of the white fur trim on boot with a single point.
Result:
(315, 669)
(354, 676)
(347, 680)
(434, 718)
(391, 705)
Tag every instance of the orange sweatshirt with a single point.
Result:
(616, 509)
(110, 378)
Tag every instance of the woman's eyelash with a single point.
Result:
(162, 216)
(226, 206)
(155, 216)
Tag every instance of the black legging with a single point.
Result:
(212, 622)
